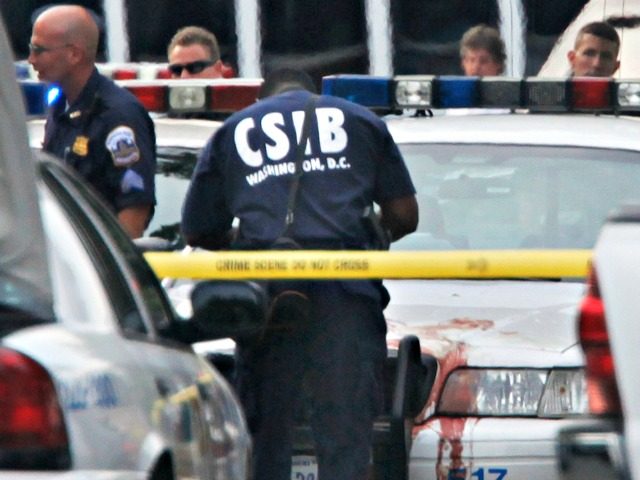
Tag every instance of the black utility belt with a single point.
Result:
(305, 245)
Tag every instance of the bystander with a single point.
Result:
(595, 53)
(482, 51)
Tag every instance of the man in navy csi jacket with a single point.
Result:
(334, 342)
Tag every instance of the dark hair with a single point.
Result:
(285, 79)
(625, 21)
(193, 35)
(599, 29)
(484, 37)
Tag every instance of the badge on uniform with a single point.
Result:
(121, 142)
(80, 146)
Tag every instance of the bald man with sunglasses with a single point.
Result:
(194, 53)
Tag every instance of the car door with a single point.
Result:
(169, 380)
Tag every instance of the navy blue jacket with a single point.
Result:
(246, 169)
(109, 138)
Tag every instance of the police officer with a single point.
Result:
(334, 342)
(95, 126)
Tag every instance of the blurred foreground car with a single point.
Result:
(509, 367)
(606, 445)
(98, 379)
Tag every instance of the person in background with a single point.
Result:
(194, 53)
(327, 335)
(95, 126)
(482, 52)
(595, 53)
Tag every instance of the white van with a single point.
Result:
(557, 64)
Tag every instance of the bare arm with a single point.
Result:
(134, 219)
(399, 216)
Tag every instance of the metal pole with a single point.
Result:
(116, 34)
(513, 31)
(379, 37)
(249, 41)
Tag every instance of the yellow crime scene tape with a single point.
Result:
(316, 264)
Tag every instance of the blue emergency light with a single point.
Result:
(38, 96)
(22, 71)
(372, 92)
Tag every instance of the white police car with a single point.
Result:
(509, 369)
(98, 379)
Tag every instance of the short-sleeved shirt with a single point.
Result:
(245, 171)
(109, 138)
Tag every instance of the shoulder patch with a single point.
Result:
(131, 181)
(121, 143)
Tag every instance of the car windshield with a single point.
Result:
(515, 196)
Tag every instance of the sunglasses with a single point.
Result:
(192, 67)
(39, 49)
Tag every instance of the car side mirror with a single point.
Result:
(415, 374)
(227, 308)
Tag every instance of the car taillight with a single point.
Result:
(32, 429)
(602, 388)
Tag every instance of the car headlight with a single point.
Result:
(514, 392)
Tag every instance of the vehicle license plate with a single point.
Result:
(304, 467)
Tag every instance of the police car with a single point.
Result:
(97, 373)
(532, 165)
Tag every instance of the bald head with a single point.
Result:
(63, 47)
(73, 25)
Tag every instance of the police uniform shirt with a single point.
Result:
(246, 169)
(109, 138)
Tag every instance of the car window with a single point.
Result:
(134, 290)
(80, 296)
(507, 196)
(173, 173)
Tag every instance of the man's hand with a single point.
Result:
(399, 216)
(135, 219)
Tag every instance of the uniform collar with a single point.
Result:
(84, 101)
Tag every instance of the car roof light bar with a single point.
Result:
(627, 95)
(198, 95)
(579, 94)
(546, 95)
(414, 91)
(38, 96)
(369, 91)
(165, 96)
(591, 94)
(154, 98)
(23, 71)
(501, 92)
(456, 92)
(187, 98)
(233, 96)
